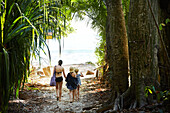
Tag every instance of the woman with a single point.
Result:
(58, 70)
(71, 83)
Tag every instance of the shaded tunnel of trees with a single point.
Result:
(134, 42)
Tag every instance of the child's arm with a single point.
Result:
(81, 74)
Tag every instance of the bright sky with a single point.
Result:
(84, 38)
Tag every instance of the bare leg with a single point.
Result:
(76, 94)
(78, 91)
(60, 90)
(57, 89)
(70, 94)
(74, 90)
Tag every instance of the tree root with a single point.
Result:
(104, 108)
(119, 103)
(88, 108)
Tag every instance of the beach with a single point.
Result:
(71, 53)
(83, 58)
(42, 76)
(39, 96)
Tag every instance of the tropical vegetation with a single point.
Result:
(24, 26)
(132, 43)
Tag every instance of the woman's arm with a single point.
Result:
(64, 73)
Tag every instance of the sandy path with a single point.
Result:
(42, 97)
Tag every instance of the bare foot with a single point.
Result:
(60, 99)
(57, 98)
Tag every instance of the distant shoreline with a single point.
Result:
(83, 67)
(45, 79)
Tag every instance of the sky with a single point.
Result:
(84, 38)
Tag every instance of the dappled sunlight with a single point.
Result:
(97, 90)
(119, 51)
(94, 86)
(40, 97)
(39, 80)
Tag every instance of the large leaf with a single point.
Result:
(23, 28)
(6, 78)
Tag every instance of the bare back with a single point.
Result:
(58, 70)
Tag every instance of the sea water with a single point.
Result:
(69, 54)
(74, 56)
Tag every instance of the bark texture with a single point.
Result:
(164, 68)
(117, 46)
(143, 47)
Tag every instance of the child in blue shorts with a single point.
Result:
(79, 81)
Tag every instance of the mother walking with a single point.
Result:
(58, 70)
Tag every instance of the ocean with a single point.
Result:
(69, 54)
(73, 56)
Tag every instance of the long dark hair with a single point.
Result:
(60, 62)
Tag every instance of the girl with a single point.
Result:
(71, 83)
(79, 81)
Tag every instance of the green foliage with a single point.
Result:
(100, 52)
(160, 26)
(163, 95)
(160, 95)
(164, 24)
(24, 25)
(125, 4)
(167, 20)
(90, 63)
(32, 88)
(149, 90)
(97, 12)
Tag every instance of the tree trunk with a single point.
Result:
(117, 46)
(163, 63)
(143, 47)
